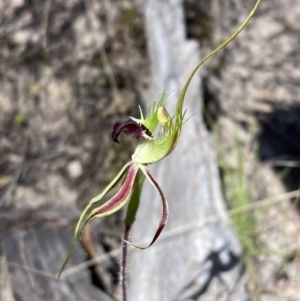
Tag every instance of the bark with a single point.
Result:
(206, 259)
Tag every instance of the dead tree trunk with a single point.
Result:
(203, 260)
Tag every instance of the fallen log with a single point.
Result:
(200, 258)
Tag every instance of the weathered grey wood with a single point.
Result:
(204, 261)
(33, 250)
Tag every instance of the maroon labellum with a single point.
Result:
(131, 128)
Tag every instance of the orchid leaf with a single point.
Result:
(97, 198)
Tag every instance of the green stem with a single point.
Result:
(133, 206)
(123, 272)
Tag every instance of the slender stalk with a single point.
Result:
(124, 256)
(129, 220)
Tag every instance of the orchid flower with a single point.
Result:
(150, 149)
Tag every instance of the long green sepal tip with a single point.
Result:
(220, 47)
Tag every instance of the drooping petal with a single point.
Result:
(165, 213)
(117, 201)
(94, 200)
(131, 128)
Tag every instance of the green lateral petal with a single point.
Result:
(165, 214)
(97, 198)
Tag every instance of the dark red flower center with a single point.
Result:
(131, 128)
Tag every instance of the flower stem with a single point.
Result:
(123, 272)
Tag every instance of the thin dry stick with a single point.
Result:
(96, 27)
(177, 230)
(27, 268)
(45, 24)
(9, 191)
(110, 74)
(284, 163)
(190, 226)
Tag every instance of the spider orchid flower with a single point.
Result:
(150, 149)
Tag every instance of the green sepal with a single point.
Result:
(97, 198)
(134, 201)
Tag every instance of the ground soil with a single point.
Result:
(68, 71)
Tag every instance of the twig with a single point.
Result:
(96, 27)
(187, 227)
(9, 191)
(180, 229)
(45, 24)
(284, 163)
